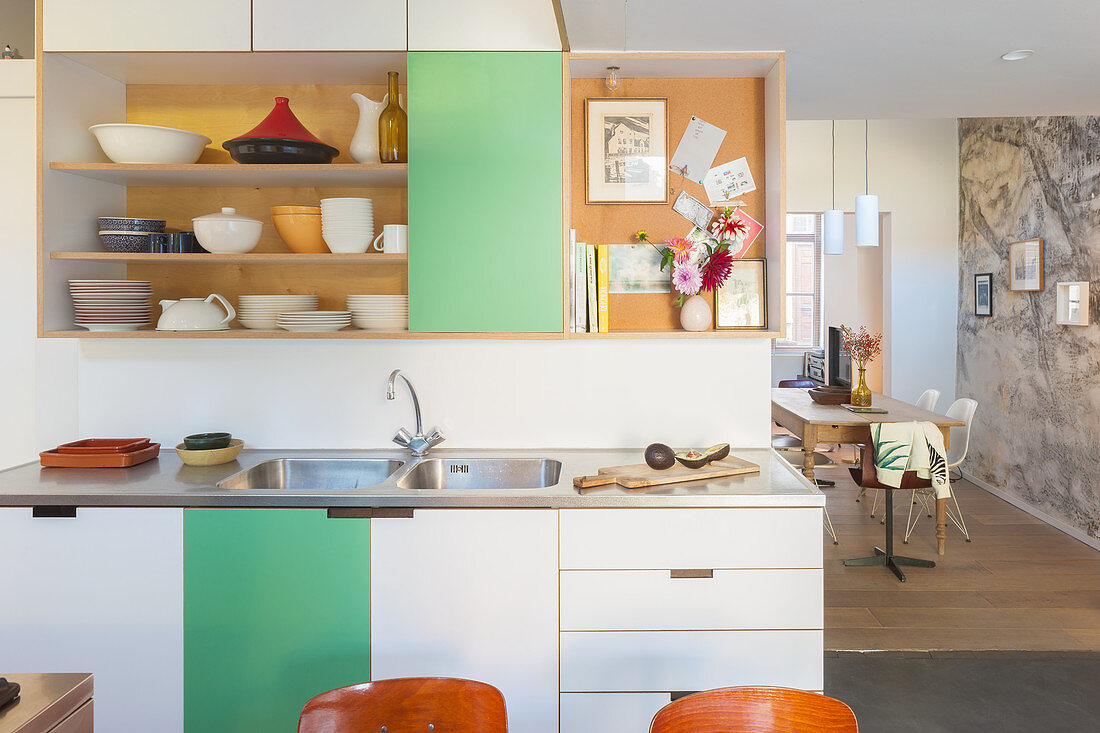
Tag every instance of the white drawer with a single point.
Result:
(661, 661)
(647, 539)
(639, 600)
(609, 712)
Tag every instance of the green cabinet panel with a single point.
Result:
(276, 610)
(485, 191)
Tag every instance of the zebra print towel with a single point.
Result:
(910, 446)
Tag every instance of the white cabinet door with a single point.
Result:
(483, 25)
(470, 593)
(142, 25)
(100, 593)
(328, 25)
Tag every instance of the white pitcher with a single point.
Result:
(364, 143)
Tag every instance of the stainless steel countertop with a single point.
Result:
(44, 700)
(166, 482)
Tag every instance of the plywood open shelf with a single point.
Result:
(679, 334)
(267, 258)
(234, 175)
(241, 333)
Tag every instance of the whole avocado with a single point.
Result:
(659, 456)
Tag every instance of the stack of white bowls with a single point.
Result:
(347, 224)
(314, 321)
(379, 312)
(112, 305)
(262, 311)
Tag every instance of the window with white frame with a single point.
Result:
(803, 279)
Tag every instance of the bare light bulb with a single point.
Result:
(613, 81)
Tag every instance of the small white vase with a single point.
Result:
(695, 314)
(364, 143)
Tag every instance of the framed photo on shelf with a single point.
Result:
(983, 294)
(742, 302)
(1025, 265)
(626, 151)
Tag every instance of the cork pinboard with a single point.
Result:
(736, 106)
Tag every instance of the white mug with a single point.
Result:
(395, 239)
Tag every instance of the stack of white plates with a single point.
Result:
(347, 224)
(314, 320)
(380, 312)
(112, 305)
(261, 311)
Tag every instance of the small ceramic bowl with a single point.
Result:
(125, 224)
(214, 457)
(207, 441)
(125, 241)
(300, 231)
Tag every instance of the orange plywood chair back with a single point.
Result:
(407, 704)
(755, 710)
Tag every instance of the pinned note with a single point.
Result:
(726, 182)
(697, 149)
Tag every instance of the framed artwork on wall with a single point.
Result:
(983, 294)
(1025, 265)
(742, 302)
(626, 151)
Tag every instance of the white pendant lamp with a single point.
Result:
(832, 228)
(867, 204)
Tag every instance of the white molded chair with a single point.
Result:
(962, 409)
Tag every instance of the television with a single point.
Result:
(840, 364)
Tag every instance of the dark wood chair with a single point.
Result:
(755, 710)
(864, 474)
(405, 705)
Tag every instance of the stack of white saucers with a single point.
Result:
(379, 312)
(347, 224)
(112, 305)
(261, 311)
(314, 321)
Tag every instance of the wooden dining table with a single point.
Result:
(813, 423)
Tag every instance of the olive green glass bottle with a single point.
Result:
(393, 128)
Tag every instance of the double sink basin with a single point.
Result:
(345, 474)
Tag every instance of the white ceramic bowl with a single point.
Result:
(127, 143)
(227, 232)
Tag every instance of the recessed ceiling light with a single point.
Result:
(1017, 55)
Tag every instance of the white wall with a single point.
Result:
(484, 394)
(913, 166)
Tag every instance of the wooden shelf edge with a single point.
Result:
(230, 167)
(724, 334)
(215, 259)
(280, 335)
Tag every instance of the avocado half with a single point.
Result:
(692, 459)
(717, 452)
(659, 456)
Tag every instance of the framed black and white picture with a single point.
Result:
(626, 151)
(1025, 265)
(983, 294)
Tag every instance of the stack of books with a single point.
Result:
(587, 286)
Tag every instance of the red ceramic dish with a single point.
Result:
(92, 446)
(281, 124)
(99, 460)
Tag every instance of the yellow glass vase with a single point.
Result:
(861, 393)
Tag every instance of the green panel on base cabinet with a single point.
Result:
(485, 192)
(276, 610)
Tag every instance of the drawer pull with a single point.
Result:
(68, 512)
(370, 513)
(700, 573)
(674, 696)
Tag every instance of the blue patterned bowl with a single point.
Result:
(123, 224)
(125, 241)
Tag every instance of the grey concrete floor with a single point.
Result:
(955, 692)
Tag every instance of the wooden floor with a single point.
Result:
(1020, 584)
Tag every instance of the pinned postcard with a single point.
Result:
(697, 149)
(741, 231)
(693, 210)
(635, 268)
(725, 182)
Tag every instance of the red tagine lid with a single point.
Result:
(281, 124)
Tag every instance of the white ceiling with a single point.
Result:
(853, 59)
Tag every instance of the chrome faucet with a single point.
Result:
(418, 444)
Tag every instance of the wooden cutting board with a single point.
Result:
(641, 475)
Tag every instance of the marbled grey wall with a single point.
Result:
(1037, 430)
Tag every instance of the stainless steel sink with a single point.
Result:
(334, 474)
(481, 473)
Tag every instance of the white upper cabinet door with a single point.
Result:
(142, 25)
(328, 25)
(483, 25)
(470, 593)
